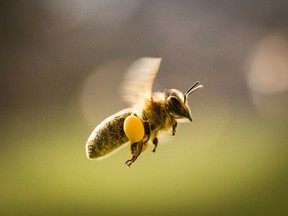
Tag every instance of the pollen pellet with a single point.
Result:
(133, 128)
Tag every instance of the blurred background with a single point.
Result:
(62, 64)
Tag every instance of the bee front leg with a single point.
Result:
(136, 149)
(155, 143)
(174, 128)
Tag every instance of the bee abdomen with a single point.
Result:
(91, 151)
(107, 136)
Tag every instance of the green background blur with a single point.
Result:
(62, 63)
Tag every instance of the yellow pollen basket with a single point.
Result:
(133, 128)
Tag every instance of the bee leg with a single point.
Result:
(147, 129)
(155, 143)
(174, 128)
(136, 149)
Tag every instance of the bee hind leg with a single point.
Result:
(136, 149)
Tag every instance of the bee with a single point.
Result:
(150, 114)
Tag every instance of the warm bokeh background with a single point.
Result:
(62, 63)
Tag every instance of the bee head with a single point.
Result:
(177, 101)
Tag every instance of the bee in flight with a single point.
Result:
(150, 114)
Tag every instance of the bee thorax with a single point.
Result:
(156, 113)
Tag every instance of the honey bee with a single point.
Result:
(151, 113)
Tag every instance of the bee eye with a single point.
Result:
(174, 102)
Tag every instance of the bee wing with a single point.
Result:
(137, 86)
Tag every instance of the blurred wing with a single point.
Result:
(137, 87)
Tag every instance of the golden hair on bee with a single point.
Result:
(150, 114)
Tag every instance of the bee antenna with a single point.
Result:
(194, 87)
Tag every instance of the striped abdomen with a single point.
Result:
(108, 135)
